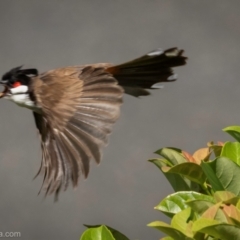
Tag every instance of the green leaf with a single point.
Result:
(160, 162)
(99, 233)
(116, 234)
(200, 206)
(217, 229)
(231, 150)
(167, 238)
(234, 131)
(170, 231)
(237, 204)
(223, 174)
(177, 202)
(210, 172)
(177, 182)
(226, 197)
(180, 222)
(190, 170)
(171, 155)
(234, 221)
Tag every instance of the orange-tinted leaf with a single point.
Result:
(188, 157)
(231, 211)
(201, 154)
(212, 211)
(220, 143)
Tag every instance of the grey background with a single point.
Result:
(124, 188)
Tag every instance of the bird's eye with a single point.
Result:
(16, 84)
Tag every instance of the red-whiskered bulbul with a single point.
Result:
(75, 107)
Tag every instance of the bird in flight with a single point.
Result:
(75, 107)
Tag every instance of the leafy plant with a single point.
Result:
(206, 204)
(102, 232)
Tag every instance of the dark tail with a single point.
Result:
(143, 73)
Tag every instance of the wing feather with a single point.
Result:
(90, 142)
(79, 107)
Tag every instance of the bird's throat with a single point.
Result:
(23, 100)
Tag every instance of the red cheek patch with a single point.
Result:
(17, 84)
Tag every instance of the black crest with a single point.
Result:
(18, 74)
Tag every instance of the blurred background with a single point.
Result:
(124, 188)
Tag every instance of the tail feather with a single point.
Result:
(143, 73)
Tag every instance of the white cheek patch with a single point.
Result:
(22, 100)
(20, 89)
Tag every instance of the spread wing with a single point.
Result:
(79, 107)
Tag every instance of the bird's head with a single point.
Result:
(16, 81)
